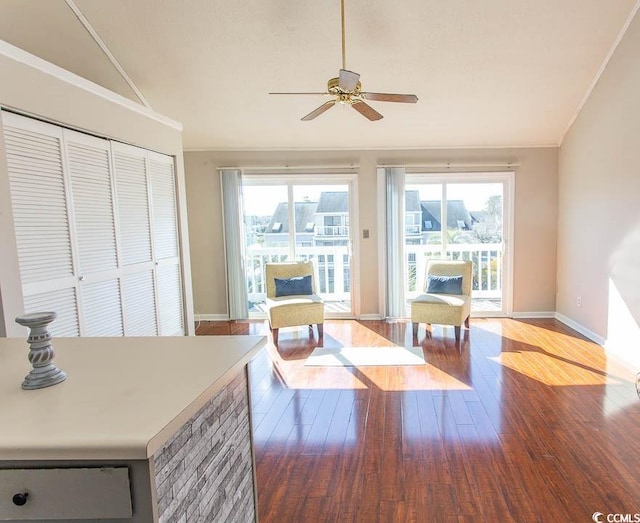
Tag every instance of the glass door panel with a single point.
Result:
(468, 226)
(298, 221)
(324, 237)
(265, 234)
(475, 233)
(423, 232)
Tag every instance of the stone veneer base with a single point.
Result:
(205, 471)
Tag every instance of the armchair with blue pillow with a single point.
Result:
(291, 297)
(447, 296)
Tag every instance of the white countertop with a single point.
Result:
(122, 399)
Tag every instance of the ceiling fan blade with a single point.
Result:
(367, 111)
(317, 112)
(348, 80)
(302, 93)
(387, 97)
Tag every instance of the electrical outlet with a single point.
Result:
(579, 301)
(365, 234)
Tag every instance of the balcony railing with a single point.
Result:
(332, 230)
(487, 266)
(332, 268)
(331, 263)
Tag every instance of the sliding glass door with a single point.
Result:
(299, 220)
(463, 217)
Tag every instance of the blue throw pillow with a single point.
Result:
(444, 284)
(299, 285)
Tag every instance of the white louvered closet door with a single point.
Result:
(96, 231)
(39, 198)
(165, 243)
(92, 212)
(134, 219)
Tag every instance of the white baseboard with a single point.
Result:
(371, 317)
(211, 317)
(581, 329)
(534, 314)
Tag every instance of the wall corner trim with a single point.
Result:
(601, 70)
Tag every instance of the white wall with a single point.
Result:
(535, 216)
(37, 88)
(599, 208)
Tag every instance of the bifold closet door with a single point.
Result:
(39, 197)
(93, 226)
(166, 245)
(96, 230)
(134, 220)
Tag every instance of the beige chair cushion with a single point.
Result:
(444, 310)
(453, 300)
(288, 311)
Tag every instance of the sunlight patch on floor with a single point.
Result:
(552, 371)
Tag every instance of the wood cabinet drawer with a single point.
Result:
(65, 493)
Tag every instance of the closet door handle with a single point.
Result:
(20, 499)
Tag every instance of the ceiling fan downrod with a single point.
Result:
(344, 54)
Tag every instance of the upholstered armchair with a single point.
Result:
(447, 296)
(291, 297)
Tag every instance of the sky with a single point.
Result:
(263, 200)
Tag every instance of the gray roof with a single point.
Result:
(412, 201)
(333, 202)
(456, 210)
(304, 212)
(428, 217)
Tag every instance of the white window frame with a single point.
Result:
(422, 175)
(320, 176)
(507, 178)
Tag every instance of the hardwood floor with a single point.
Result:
(528, 422)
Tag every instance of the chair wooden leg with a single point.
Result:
(274, 334)
(320, 330)
(457, 331)
(466, 322)
(415, 329)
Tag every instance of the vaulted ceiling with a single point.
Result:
(487, 73)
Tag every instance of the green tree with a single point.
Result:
(489, 228)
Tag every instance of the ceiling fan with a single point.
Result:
(347, 90)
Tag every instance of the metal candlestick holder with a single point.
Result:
(41, 353)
